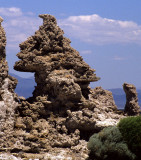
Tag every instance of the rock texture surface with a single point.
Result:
(64, 111)
(60, 72)
(131, 108)
(99, 112)
(8, 99)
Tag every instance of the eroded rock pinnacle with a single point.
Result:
(131, 108)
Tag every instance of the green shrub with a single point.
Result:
(130, 129)
(108, 145)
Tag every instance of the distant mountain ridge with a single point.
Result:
(25, 88)
(120, 97)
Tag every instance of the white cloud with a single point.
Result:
(18, 26)
(89, 28)
(97, 30)
(10, 12)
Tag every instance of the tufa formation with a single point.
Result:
(57, 121)
(60, 72)
(64, 111)
(8, 99)
(131, 108)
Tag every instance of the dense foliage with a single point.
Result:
(130, 129)
(109, 145)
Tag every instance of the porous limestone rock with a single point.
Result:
(8, 156)
(55, 63)
(98, 112)
(64, 111)
(2, 41)
(131, 108)
(8, 99)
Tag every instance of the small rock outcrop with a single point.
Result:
(8, 99)
(131, 108)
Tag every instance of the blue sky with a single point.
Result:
(107, 33)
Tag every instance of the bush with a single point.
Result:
(130, 129)
(108, 145)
